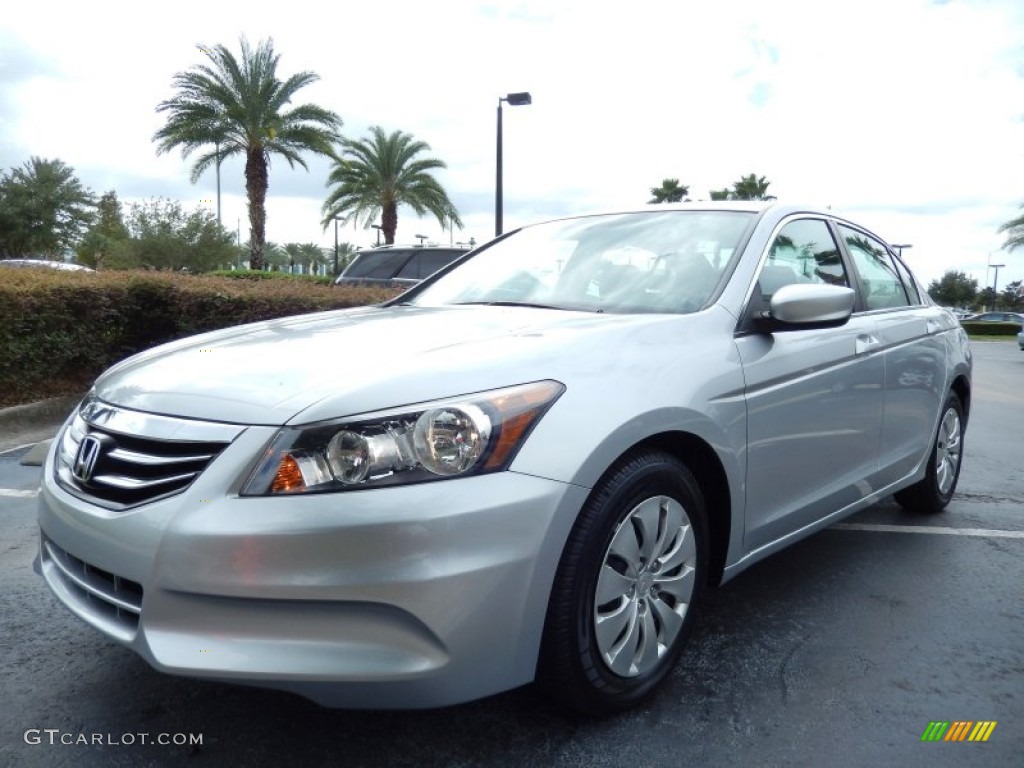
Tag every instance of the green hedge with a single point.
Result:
(59, 330)
(991, 329)
(258, 274)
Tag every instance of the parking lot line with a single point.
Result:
(16, 494)
(982, 532)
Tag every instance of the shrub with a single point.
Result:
(259, 274)
(991, 329)
(59, 330)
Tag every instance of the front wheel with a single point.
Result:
(623, 598)
(933, 492)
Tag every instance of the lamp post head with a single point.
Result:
(517, 99)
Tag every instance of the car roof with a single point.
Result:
(413, 247)
(773, 209)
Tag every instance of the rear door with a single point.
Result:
(908, 333)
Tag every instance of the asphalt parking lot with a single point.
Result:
(837, 652)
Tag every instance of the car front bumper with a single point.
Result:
(410, 596)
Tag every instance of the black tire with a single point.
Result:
(579, 665)
(934, 491)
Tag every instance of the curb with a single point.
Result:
(32, 415)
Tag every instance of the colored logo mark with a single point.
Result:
(958, 730)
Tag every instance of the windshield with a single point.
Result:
(666, 261)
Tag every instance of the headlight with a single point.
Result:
(449, 438)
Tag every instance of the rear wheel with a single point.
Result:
(623, 599)
(933, 492)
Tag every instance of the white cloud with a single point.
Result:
(905, 113)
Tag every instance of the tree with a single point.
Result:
(720, 194)
(107, 237)
(1012, 297)
(44, 209)
(374, 176)
(1014, 230)
(313, 257)
(164, 236)
(751, 188)
(670, 191)
(954, 289)
(986, 298)
(230, 107)
(293, 256)
(274, 256)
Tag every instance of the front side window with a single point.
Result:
(803, 251)
(882, 286)
(667, 261)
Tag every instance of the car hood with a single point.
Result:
(328, 365)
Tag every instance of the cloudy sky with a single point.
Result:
(906, 115)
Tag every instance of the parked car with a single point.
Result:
(44, 264)
(997, 317)
(527, 467)
(961, 313)
(398, 265)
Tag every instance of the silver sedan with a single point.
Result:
(529, 467)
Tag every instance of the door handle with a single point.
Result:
(865, 343)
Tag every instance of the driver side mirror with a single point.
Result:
(804, 306)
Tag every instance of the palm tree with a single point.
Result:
(670, 191)
(273, 256)
(721, 194)
(44, 209)
(1014, 230)
(312, 256)
(751, 188)
(293, 255)
(373, 176)
(231, 107)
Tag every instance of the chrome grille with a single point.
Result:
(117, 458)
(110, 601)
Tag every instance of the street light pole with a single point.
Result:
(378, 227)
(995, 284)
(335, 246)
(514, 100)
(899, 248)
(988, 266)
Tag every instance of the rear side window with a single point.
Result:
(380, 265)
(883, 288)
(908, 282)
